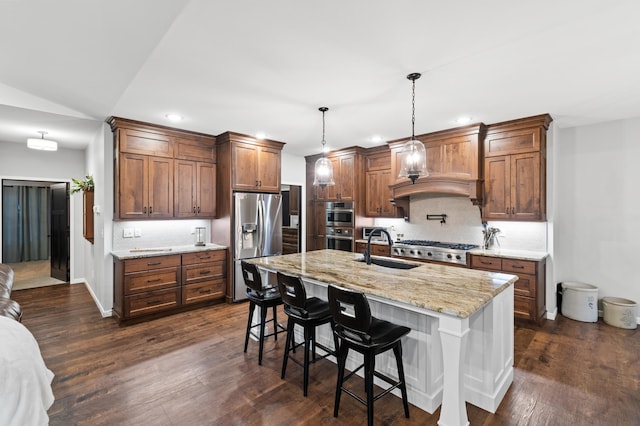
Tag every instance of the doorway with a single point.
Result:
(291, 208)
(36, 232)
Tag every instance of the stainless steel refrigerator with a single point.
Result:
(257, 224)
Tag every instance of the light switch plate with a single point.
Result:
(137, 232)
(127, 233)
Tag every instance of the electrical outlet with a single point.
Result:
(127, 233)
(137, 232)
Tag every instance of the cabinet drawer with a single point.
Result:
(147, 263)
(524, 307)
(485, 262)
(380, 250)
(518, 266)
(202, 272)
(151, 280)
(203, 256)
(149, 302)
(213, 289)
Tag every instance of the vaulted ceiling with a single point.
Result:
(266, 66)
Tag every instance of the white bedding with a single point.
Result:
(25, 381)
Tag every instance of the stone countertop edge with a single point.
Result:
(459, 292)
(512, 254)
(382, 243)
(163, 251)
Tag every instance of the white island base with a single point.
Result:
(447, 359)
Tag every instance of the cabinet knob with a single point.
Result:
(144, 210)
(194, 209)
(507, 212)
(198, 209)
(150, 209)
(513, 211)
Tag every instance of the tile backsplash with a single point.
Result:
(157, 233)
(463, 225)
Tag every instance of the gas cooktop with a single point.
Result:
(429, 243)
(432, 250)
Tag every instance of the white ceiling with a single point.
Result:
(255, 65)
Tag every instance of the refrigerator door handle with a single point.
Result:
(261, 227)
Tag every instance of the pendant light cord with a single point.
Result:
(413, 110)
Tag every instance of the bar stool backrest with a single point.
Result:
(351, 314)
(252, 278)
(293, 294)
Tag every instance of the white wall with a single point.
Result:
(19, 162)
(596, 233)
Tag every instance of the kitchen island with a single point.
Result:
(461, 343)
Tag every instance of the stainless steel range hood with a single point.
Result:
(454, 162)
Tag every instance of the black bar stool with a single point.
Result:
(265, 298)
(308, 313)
(358, 330)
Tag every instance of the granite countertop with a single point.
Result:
(512, 254)
(454, 291)
(162, 251)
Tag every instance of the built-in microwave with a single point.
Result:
(375, 232)
(340, 238)
(339, 214)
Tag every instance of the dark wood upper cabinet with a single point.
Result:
(515, 170)
(256, 164)
(161, 172)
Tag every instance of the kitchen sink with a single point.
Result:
(390, 263)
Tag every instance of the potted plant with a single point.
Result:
(78, 185)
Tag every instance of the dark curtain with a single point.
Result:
(25, 224)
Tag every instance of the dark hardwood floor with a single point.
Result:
(189, 368)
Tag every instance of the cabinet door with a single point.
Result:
(269, 170)
(245, 167)
(345, 184)
(206, 190)
(294, 199)
(185, 195)
(160, 188)
(316, 239)
(132, 183)
(377, 194)
(497, 187)
(330, 192)
(525, 186)
(145, 143)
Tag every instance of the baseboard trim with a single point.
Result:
(106, 313)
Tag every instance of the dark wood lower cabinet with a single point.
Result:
(163, 284)
(376, 249)
(529, 300)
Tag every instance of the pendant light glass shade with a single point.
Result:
(323, 175)
(414, 160)
(42, 144)
(413, 156)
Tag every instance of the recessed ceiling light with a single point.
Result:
(261, 135)
(464, 119)
(174, 117)
(376, 139)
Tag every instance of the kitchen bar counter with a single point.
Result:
(138, 253)
(460, 348)
(453, 291)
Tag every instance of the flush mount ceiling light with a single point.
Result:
(413, 154)
(323, 169)
(261, 135)
(42, 144)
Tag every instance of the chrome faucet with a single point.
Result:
(367, 251)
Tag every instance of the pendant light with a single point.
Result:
(42, 144)
(413, 155)
(323, 169)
